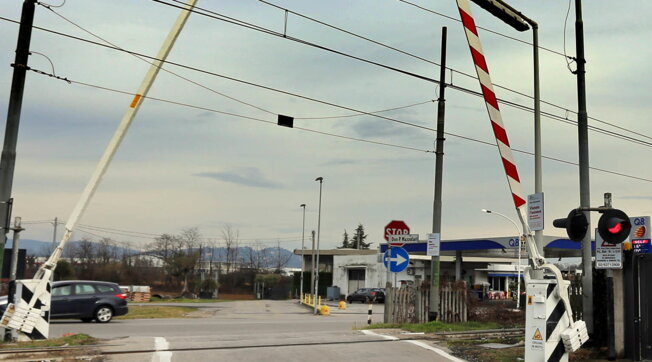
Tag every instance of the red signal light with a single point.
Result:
(616, 228)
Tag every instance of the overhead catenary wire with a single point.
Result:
(163, 69)
(233, 79)
(267, 87)
(231, 20)
(226, 77)
(362, 140)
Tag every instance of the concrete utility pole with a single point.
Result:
(9, 334)
(14, 248)
(321, 182)
(8, 158)
(433, 311)
(312, 264)
(303, 263)
(585, 193)
(54, 234)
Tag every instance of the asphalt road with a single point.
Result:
(253, 331)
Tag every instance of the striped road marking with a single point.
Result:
(416, 343)
(161, 346)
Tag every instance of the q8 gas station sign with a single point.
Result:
(640, 234)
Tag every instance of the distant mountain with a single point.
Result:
(44, 248)
(33, 247)
(270, 254)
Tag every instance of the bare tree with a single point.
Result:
(179, 254)
(85, 253)
(106, 251)
(256, 257)
(230, 237)
(280, 260)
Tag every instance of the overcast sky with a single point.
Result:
(182, 167)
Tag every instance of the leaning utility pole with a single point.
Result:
(8, 158)
(54, 234)
(583, 143)
(439, 167)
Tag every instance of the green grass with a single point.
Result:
(73, 340)
(186, 300)
(437, 326)
(150, 312)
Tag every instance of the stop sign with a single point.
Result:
(396, 227)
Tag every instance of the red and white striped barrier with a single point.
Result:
(492, 104)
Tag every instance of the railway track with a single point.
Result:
(96, 353)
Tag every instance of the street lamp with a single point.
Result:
(518, 269)
(303, 262)
(518, 21)
(321, 181)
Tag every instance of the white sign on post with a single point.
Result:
(535, 211)
(607, 256)
(434, 243)
(404, 238)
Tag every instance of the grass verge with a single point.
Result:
(73, 340)
(186, 300)
(437, 326)
(150, 312)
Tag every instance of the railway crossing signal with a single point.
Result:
(576, 225)
(614, 226)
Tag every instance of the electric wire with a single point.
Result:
(568, 63)
(240, 242)
(480, 27)
(275, 89)
(163, 69)
(288, 93)
(258, 85)
(380, 111)
(468, 75)
(493, 144)
(222, 17)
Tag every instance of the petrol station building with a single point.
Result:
(491, 264)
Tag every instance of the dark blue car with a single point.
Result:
(84, 299)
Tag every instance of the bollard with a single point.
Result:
(369, 314)
(319, 303)
(342, 305)
(324, 310)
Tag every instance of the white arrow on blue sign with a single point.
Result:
(396, 259)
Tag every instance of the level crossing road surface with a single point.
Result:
(260, 330)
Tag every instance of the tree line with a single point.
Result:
(183, 263)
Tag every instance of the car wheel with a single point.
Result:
(348, 300)
(87, 320)
(103, 314)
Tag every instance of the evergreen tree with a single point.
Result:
(345, 243)
(357, 241)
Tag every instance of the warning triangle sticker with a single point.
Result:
(537, 335)
(606, 244)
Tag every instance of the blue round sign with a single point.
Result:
(396, 259)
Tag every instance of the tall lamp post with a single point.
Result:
(518, 269)
(518, 21)
(321, 181)
(303, 262)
